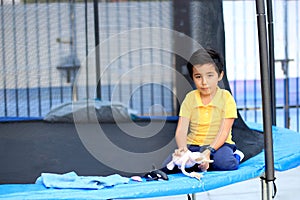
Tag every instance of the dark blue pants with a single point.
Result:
(224, 159)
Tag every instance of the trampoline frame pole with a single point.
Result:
(97, 49)
(271, 59)
(266, 100)
(267, 190)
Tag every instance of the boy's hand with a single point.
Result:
(205, 165)
(180, 151)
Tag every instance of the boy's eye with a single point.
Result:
(197, 76)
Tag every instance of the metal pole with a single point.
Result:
(286, 69)
(286, 96)
(266, 98)
(86, 49)
(271, 60)
(73, 50)
(266, 189)
(97, 49)
(181, 23)
(86, 59)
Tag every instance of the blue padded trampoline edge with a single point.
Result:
(19, 119)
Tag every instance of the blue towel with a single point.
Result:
(72, 180)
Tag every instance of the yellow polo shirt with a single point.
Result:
(205, 120)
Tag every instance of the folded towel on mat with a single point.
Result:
(72, 180)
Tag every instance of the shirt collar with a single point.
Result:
(213, 102)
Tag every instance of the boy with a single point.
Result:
(206, 116)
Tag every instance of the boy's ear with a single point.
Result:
(221, 76)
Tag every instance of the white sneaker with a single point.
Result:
(238, 154)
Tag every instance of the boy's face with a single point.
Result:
(206, 79)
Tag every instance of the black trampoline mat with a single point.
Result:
(29, 148)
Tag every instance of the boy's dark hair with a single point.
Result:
(204, 56)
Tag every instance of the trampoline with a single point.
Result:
(286, 156)
(36, 147)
